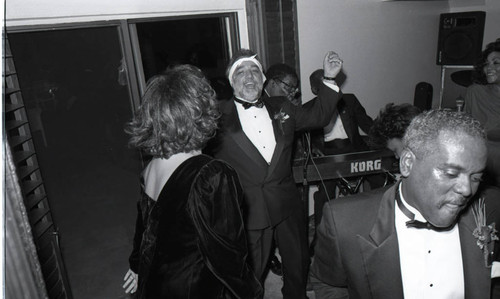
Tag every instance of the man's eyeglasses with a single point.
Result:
(290, 89)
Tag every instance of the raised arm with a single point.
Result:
(320, 111)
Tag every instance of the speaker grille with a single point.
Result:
(457, 46)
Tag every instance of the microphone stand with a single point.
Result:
(306, 143)
(307, 153)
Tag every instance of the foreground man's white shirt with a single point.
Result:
(495, 269)
(431, 261)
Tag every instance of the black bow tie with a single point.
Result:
(420, 224)
(259, 103)
(415, 223)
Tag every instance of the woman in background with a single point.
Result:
(189, 240)
(482, 101)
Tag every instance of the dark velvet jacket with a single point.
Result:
(190, 243)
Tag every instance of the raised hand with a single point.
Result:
(332, 64)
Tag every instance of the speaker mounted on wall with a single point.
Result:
(460, 38)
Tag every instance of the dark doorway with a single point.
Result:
(77, 101)
(202, 42)
(76, 88)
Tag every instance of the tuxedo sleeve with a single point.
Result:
(319, 112)
(328, 276)
(492, 200)
(491, 195)
(364, 121)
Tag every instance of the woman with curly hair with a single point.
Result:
(482, 101)
(190, 240)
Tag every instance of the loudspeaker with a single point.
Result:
(460, 38)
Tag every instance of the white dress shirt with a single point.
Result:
(431, 261)
(258, 127)
(335, 129)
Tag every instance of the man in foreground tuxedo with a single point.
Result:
(415, 239)
(256, 138)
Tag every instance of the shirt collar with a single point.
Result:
(417, 214)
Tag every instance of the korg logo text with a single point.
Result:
(366, 165)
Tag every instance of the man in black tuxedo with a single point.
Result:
(428, 236)
(282, 81)
(340, 136)
(256, 137)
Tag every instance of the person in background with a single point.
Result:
(282, 81)
(256, 137)
(427, 236)
(340, 136)
(390, 125)
(482, 101)
(190, 239)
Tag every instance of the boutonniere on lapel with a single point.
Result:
(282, 117)
(486, 235)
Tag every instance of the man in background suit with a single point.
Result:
(256, 137)
(415, 239)
(340, 136)
(282, 81)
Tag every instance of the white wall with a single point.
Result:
(387, 46)
(35, 12)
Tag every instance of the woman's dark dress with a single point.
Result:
(190, 243)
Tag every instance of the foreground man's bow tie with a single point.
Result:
(420, 224)
(416, 223)
(259, 103)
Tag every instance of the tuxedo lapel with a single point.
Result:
(380, 252)
(351, 125)
(235, 132)
(347, 122)
(384, 227)
(477, 278)
(280, 141)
